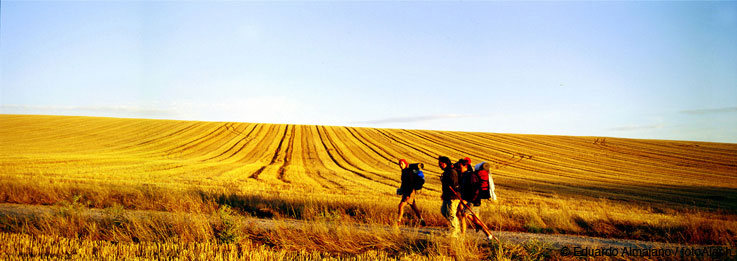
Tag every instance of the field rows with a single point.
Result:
(347, 160)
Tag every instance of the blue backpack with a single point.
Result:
(419, 178)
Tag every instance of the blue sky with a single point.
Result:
(657, 70)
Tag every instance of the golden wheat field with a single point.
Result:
(674, 191)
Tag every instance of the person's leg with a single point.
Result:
(417, 212)
(461, 214)
(413, 205)
(444, 208)
(447, 212)
(473, 219)
(480, 224)
(463, 224)
(454, 222)
(400, 212)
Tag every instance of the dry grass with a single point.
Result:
(74, 233)
(672, 191)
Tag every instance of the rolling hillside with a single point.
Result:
(360, 161)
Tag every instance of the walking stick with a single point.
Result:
(483, 225)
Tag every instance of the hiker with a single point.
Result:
(408, 189)
(471, 200)
(449, 181)
(467, 169)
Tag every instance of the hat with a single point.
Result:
(468, 160)
(405, 162)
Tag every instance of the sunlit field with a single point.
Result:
(205, 176)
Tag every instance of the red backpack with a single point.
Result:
(482, 169)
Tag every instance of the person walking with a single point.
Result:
(449, 181)
(407, 190)
(464, 168)
(471, 200)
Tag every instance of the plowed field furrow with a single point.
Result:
(632, 168)
(442, 149)
(513, 150)
(490, 151)
(549, 157)
(158, 129)
(279, 147)
(379, 150)
(268, 153)
(407, 144)
(40, 130)
(171, 145)
(107, 142)
(287, 156)
(201, 146)
(160, 148)
(213, 145)
(254, 138)
(635, 158)
(670, 155)
(322, 159)
(390, 167)
(261, 151)
(347, 155)
(311, 163)
(554, 154)
(343, 167)
(242, 142)
(275, 160)
(453, 145)
(383, 162)
(654, 151)
(135, 132)
(684, 150)
(63, 137)
(57, 135)
(336, 155)
(396, 150)
(234, 136)
(352, 154)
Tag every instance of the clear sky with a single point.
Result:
(659, 70)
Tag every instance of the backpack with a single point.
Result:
(484, 177)
(483, 170)
(470, 188)
(419, 178)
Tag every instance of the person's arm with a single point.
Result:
(454, 180)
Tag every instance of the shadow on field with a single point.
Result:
(254, 205)
(305, 208)
(705, 197)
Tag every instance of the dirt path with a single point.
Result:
(556, 240)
